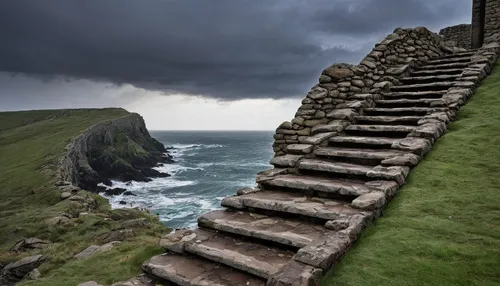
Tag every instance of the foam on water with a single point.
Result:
(207, 167)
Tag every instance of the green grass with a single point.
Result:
(443, 228)
(31, 142)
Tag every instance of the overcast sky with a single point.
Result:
(193, 64)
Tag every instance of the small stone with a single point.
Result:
(33, 274)
(337, 73)
(369, 201)
(358, 83)
(336, 225)
(66, 195)
(324, 79)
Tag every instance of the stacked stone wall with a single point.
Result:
(492, 21)
(344, 89)
(459, 35)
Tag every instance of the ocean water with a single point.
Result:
(209, 165)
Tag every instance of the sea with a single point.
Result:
(209, 165)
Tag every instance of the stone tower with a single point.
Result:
(485, 22)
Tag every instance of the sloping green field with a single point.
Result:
(31, 142)
(444, 226)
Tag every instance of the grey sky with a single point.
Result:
(221, 49)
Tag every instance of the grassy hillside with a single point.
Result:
(444, 226)
(31, 142)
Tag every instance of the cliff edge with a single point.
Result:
(120, 149)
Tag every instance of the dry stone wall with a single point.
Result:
(344, 90)
(492, 21)
(459, 35)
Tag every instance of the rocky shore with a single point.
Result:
(120, 149)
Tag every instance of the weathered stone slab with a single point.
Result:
(333, 167)
(380, 128)
(407, 101)
(445, 66)
(419, 146)
(429, 130)
(345, 113)
(317, 139)
(254, 258)
(389, 188)
(189, 270)
(287, 160)
(336, 126)
(421, 110)
(270, 173)
(247, 190)
(392, 173)
(323, 253)
(295, 203)
(296, 233)
(370, 201)
(296, 274)
(299, 148)
(387, 119)
(337, 224)
(375, 154)
(376, 141)
(317, 184)
(413, 94)
(408, 159)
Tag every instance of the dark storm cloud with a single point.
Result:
(229, 49)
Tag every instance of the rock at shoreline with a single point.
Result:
(120, 149)
(114, 192)
(116, 235)
(95, 248)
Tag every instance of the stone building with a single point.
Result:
(485, 27)
(485, 22)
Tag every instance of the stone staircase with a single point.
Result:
(308, 210)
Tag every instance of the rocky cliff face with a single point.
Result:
(120, 149)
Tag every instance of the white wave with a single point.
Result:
(174, 169)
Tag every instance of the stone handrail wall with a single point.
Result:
(344, 90)
(459, 35)
(492, 22)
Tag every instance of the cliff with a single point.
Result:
(55, 232)
(120, 149)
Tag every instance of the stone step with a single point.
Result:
(380, 155)
(353, 144)
(186, 270)
(334, 167)
(405, 102)
(443, 85)
(395, 120)
(293, 203)
(400, 111)
(312, 184)
(415, 94)
(285, 231)
(468, 53)
(449, 60)
(443, 66)
(428, 78)
(380, 128)
(236, 252)
(428, 72)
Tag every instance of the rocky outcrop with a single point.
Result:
(120, 149)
